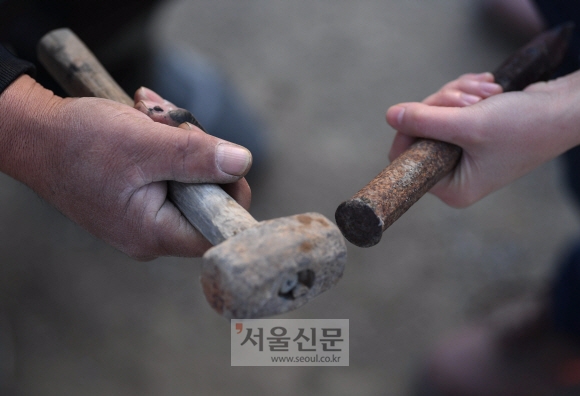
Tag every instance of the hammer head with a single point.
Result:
(274, 267)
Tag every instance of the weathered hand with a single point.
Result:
(161, 110)
(105, 165)
(503, 137)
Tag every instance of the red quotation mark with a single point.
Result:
(239, 327)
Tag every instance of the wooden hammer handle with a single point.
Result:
(207, 207)
(363, 218)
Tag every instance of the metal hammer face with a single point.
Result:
(273, 267)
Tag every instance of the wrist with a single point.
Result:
(27, 133)
(561, 97)
(565, 119)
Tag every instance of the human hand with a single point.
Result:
(161, 110)
(466, 90)
(105, 165)
(503, 137)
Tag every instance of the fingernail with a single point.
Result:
(397, 113)
(152, 106)
(144, 93)
(232, 159)
(490, 88)
(484, 76)
(186, 125)
(470, 99)
(149, 94)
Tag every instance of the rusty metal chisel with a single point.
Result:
(363, 218)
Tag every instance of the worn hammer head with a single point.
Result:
(273, 267)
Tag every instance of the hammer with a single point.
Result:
(363, 218)
(254, 269)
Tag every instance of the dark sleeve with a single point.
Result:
(556, 12)
(12, 67)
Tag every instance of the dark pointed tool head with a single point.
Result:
(536, 61)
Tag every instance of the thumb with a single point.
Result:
(419, 120)
(188, 155)
(230, 158)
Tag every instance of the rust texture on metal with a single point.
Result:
(363, 218)
(392, 192)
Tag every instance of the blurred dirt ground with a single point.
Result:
(84, 319)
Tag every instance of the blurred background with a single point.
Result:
(78, 317)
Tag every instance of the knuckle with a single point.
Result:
(540, 86)
(457, 201)
(419, 118)
(139, 253)
(200, 150)
(189, 154)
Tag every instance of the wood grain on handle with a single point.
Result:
(363, 218)
(76, 69)
(211, 210)
(206, 206)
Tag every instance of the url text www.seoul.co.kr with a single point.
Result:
(290, 342)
